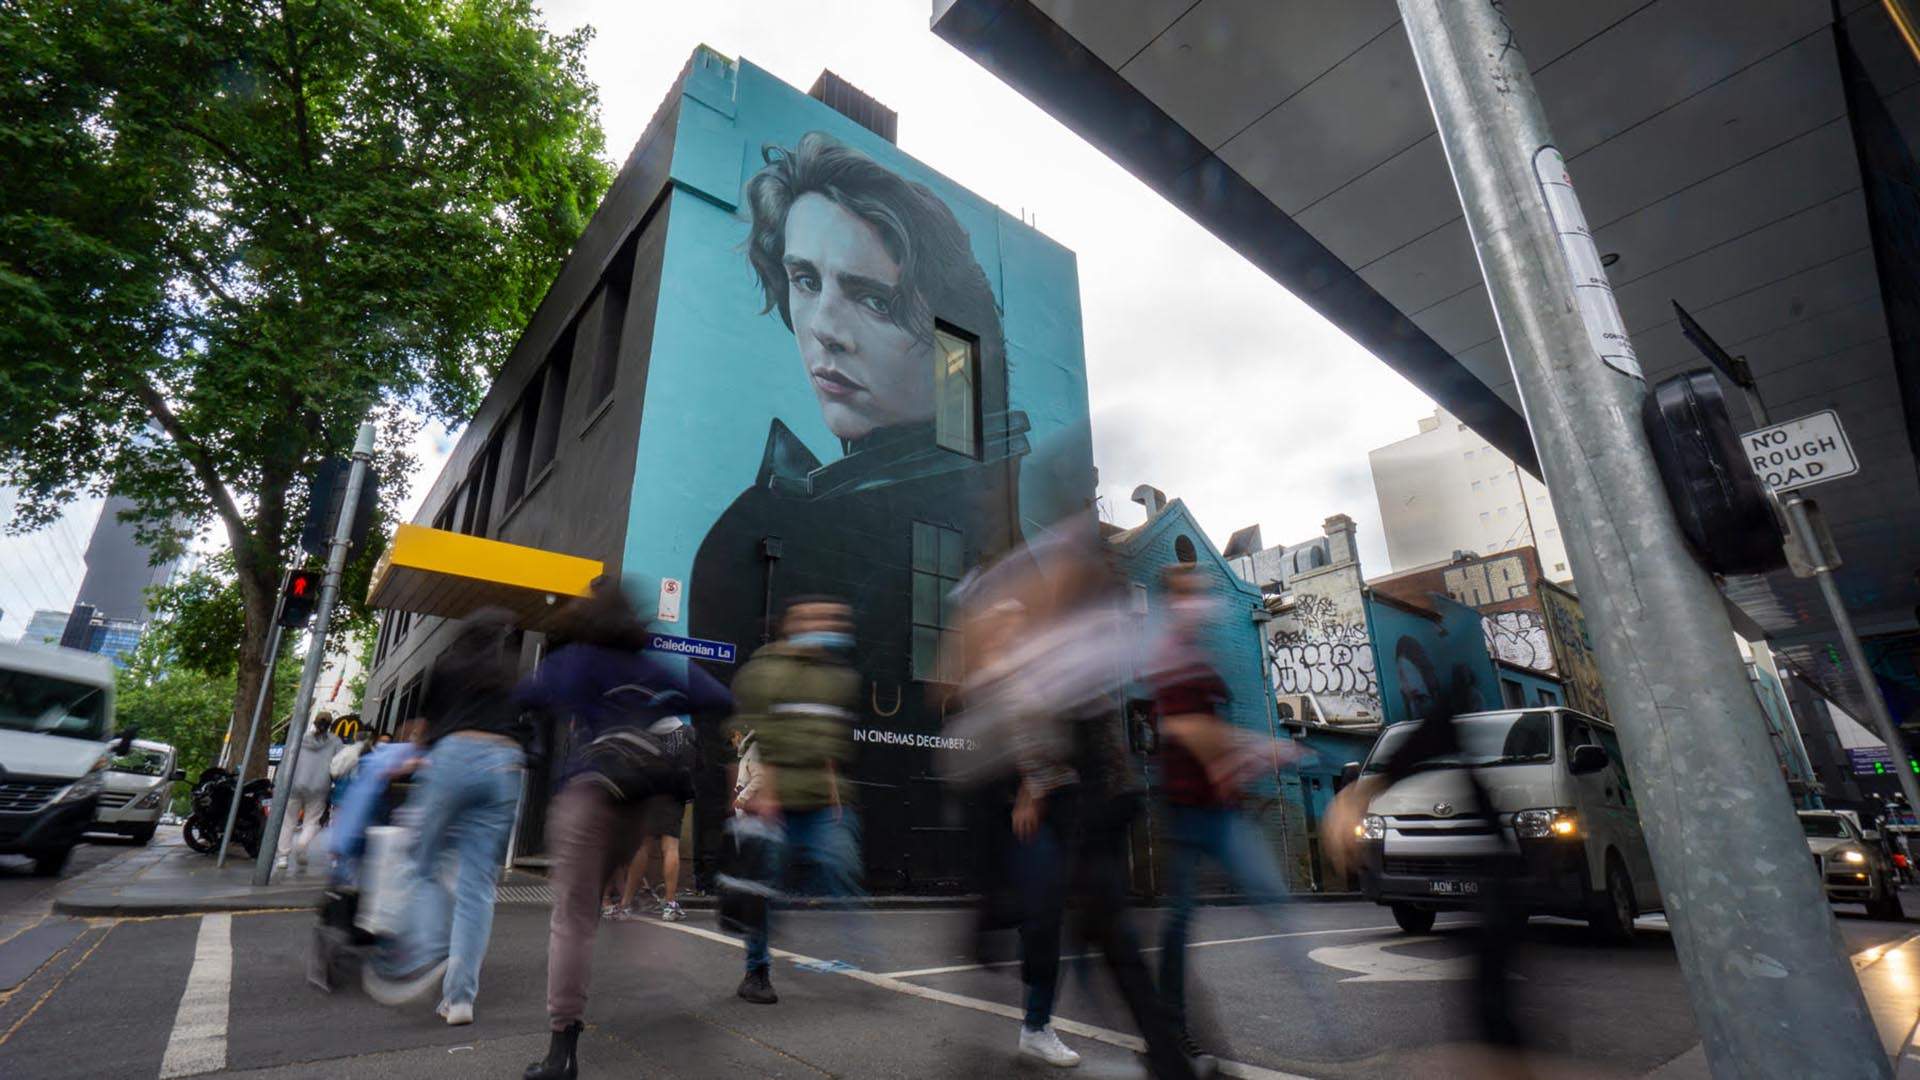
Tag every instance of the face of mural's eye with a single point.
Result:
(866, 370)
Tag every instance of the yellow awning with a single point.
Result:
(435, 572)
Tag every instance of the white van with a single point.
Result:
(1563, 807)
(139, 783)
(56, 720)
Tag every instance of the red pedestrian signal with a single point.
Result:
(302, 593)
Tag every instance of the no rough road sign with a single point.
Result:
(1800, 453)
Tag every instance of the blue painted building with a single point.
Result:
(784, 358)
(1170, 536)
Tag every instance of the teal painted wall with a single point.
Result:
(721, 370)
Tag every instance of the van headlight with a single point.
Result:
(1547, 822)
(86, 787)
(1853, 856)
(1371, 827)
(150, 800)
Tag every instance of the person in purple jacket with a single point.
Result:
(621, 701)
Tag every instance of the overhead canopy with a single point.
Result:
(436, 572)
(1750, 161)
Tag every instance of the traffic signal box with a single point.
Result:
(302, 594)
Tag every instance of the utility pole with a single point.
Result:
(1758, 946)
(316, 651)
(1821, 556)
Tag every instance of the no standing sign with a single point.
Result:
(1800, 453)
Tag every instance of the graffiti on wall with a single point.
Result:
(1327, 654)
(1579, 670)
(1519, 638)
(1490, 581)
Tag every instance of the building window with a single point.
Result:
(956, 391)
(1551, 533)
(1468, 455)
(1485, 518)
(1137, 599)
(526, 422)
(480, 486)
(938, 559)
(546, 435)
(1503, 511)
(1477, 485)
(1512, 694)
(1559, 568)
(614, 289)
(1544, 696)
(1183, 549)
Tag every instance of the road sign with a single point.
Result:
(1800, 453)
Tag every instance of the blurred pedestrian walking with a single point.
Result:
(307, 791)
(1058, 704)
(625, 705)
(462, 807)
(661, 817)
(1204, 763)
(798, 696)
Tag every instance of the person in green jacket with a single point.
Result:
(798, 695)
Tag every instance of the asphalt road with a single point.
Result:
(1340, 992)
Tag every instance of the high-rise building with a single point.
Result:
(41, 570)
(1447, 490)
(110, 595)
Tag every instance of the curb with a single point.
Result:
(121, 907)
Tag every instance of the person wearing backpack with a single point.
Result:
(626, 707)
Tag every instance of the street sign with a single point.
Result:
(1870, 760)
(1800, 453)
(697, 648)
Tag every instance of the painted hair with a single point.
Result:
(939, 277)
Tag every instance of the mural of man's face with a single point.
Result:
(1414, 689)
(867, 372)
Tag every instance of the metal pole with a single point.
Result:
(1757, 942)
(253, 728)
(316, 651)
(1883, 724)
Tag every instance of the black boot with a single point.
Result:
(561, 1062)
(758, 988)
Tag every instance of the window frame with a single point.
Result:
(974, 419)
(935, 571)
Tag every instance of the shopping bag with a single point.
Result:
(386, 879)
(746, 887)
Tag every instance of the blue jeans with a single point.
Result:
(463, 807)
(1040, 868)
(1237, 844)
(826, 839)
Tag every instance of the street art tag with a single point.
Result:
(1801, 453)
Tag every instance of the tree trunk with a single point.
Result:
(251, 673)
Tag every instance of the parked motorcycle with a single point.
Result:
(212, 796)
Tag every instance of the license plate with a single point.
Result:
(1453, 888)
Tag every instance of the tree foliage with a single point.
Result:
(172, 702)
(231, 230)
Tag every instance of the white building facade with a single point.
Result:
(1445, 490)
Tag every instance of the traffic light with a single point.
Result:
(303, 592)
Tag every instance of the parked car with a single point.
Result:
(56, 713)
(1561, 799)
(138, 786)
(1853, 866)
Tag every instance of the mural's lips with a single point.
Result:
(834, 384)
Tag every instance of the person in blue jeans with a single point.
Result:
(462, 807)
(798, 695)
(1203, 763)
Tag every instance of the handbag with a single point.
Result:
(632, 763)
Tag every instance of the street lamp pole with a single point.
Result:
(1758, 946)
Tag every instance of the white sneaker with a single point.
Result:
(456, 1015)
(280, 863)
(1046, 1046)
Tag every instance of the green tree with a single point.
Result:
(231, 230)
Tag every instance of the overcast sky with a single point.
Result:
(1207, 380)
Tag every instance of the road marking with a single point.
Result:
(993, 1008)
(199, 1040)
(920, 972)
(1375, 964)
